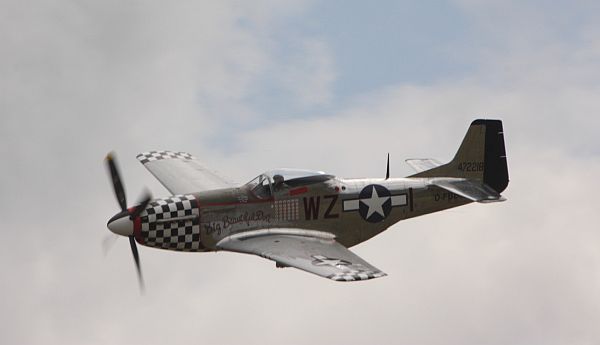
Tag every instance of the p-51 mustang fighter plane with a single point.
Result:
(300, 218)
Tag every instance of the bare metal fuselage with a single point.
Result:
(354, 210)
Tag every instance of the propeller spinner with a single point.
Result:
(122, 222)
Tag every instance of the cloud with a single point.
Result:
(310, 74)
(520, 272)
(81, 79)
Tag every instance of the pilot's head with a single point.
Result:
(278, 180)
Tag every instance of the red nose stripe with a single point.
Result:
(137, 230)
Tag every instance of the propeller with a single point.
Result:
(131, 213)
(116, 181)
(108, 242)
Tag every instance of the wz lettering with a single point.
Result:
(312, 207)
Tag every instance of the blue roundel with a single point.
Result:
(375, 203)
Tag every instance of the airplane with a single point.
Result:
(302, 218)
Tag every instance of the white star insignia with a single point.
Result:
(325, 261)
(375, 203)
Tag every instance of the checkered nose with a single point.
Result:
(121, 224)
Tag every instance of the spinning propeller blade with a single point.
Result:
(116, 180)
(108, 242)
(142, 205)
(136, 258)
(133, 214)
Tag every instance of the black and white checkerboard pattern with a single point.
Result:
(180, 235)
(151, 156)
(356, 275)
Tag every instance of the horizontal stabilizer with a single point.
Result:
(472, 190)
(423, 164)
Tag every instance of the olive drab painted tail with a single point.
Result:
(481, 157)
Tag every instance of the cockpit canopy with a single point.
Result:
(299, 177)
(263, 184)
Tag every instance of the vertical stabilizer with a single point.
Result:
(481, 157)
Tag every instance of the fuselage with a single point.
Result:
(354, 210)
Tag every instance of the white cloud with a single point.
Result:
(521, 272)
(310, 74)
(80, 79)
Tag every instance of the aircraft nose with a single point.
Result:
(120, 224)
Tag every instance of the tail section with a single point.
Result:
(481, 157)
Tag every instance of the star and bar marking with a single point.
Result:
(320, 260)
(375, 203)
(348, 270)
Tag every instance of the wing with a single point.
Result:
(311, 251)
(180, 172)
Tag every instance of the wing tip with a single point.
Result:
(150, 156)
(359, 276)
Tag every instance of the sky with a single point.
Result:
(332, 86)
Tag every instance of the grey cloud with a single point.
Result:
(80, 79)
